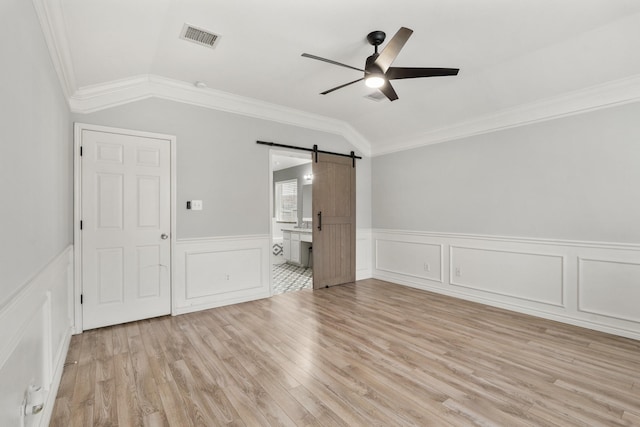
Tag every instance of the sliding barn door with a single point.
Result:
(126, 211)
(334, 231)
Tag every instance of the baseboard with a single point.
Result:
(588, 284)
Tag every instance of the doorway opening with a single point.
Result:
(291, 222)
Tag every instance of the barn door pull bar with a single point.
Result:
(313, 150)
(320, 221)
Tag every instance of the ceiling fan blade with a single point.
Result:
(341, 86)
(388, 91)
(392, 49)
(395, 73)
(308, 55)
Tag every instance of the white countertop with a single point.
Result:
(298, 230)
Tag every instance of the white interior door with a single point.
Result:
(126, 217)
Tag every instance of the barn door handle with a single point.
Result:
(320, 221)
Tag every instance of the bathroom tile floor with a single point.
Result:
(289, 278)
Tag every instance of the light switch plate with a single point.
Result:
(196, 205)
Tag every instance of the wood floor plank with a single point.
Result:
(174, 407)
(200, 414)
(61, 415)
(363, 354)
(105, 406)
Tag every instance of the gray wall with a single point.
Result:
(36, 165)
(217, 149)
(296, 172)
(575, 178)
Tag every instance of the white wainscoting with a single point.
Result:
(609, 288)
(527, 276)
(589, 284)
(34, 339)
(363, 254)
(220, 271)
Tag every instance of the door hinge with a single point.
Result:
(81, 151)
(81, 298)
(80, 224)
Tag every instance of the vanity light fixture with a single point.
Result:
(308, 177)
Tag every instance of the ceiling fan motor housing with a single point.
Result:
(376, 38)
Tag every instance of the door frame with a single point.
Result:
(275, 152)
(76, 309)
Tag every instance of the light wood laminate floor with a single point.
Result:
(369, 353)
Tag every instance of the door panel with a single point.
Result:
(110, 275)
(149, 280)
(110, 200)
(125, 211)
(334, 231)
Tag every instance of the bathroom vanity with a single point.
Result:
(296, 245)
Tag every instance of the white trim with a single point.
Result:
(53, 28)
(581, 307)
(216, 295)
(269, 180)
(20, 314)
(105, 95)
(564, 318)
(118, 92)
(514, 296)
(440, 279)
(514, 239)
(563, 268)
(77, 205)
(221, 238)
(364, 254)
(605, 95)
(56, 378)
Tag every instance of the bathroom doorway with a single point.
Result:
(291, 222)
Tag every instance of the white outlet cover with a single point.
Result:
(196, 205)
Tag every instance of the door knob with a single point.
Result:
(164, 236)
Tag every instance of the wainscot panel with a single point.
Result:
(609, 288)
(363, 254)
(34, 339)
(220, 271)
(527, 276)
(419, 260)
(590, 284)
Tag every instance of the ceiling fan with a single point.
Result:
(378, 71)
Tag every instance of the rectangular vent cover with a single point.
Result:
(376, 96)
(199, 36)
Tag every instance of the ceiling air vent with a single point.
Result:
(376, 96)
(199, 36)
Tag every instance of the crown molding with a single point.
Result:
(98, 97)
(53, 28)
(89, 99)
(610, 94)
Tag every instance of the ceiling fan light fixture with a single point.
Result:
(374, 81)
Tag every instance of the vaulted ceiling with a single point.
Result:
(520, 61)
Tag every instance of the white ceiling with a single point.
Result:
(518, 58)
(284, 160)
